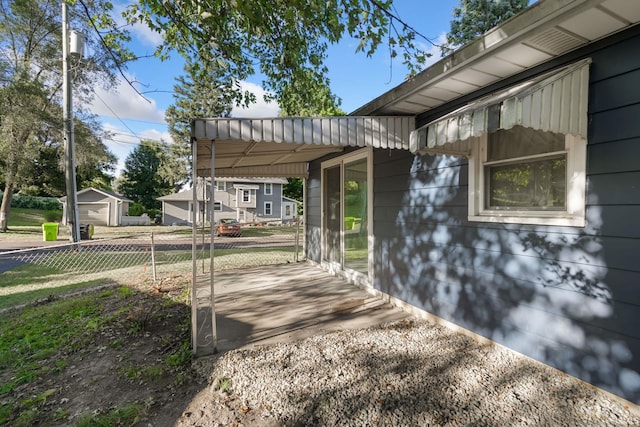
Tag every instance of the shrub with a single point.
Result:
(135, 209)
(35, 202)
(52, 216)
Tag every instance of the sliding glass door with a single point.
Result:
(346, 205)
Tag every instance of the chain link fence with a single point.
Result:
(148, 255)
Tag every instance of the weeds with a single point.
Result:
(128, 415)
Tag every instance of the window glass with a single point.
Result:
(529, 185)
(356, 241)
(521, 142)
(267, 208)
(268, 189)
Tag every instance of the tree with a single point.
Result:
(286, 40)
(475, 17)
(144, 178)
(30, 77)
(194, 96)
(44, 174)
(293, 189)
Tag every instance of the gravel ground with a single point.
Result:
(406, 373)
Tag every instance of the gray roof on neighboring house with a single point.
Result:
(107, 193)
(289, 199)
(187, 195)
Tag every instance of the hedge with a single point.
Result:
(35, 202)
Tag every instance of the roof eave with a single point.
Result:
(537, 17)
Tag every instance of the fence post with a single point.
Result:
(153, 258)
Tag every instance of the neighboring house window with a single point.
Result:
(246, 196)
(267, 208)
(287, 210)
(528, 176)
(268, 189)
(221, 185)
(217, 206)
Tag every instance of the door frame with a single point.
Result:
(338, 268)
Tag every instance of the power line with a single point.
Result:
(116, 115)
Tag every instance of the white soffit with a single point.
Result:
(547, 29)
(282, 147)
(554, 102)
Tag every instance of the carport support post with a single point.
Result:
(203, 329)
(212, 192)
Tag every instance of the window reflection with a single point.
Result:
(356, 242)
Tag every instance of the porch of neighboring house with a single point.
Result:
(283, 303)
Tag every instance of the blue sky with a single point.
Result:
(355, 78)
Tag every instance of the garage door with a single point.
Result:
(93, 213)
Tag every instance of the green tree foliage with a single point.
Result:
(293, 189)
(194, 97)
(146, 175)
(286, 40)
(473, 18)
(31, 80)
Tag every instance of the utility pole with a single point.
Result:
(69, 143)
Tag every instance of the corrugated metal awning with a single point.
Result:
(282, 147)
(554, 102)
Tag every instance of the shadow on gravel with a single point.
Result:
(460, 383)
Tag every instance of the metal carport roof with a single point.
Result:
(282, 147)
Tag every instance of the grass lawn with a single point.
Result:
(22, 217)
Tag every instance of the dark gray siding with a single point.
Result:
(567, 296)
(276, 202)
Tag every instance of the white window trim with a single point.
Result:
(248, 192)
(221, 185)
(217, 203)
(357, 277)
(270, 187)
(270, 204)
(573, 216)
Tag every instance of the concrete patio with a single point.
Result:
(284, 303)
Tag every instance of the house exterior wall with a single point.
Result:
(567, 296)
(254, 211)
(175, 212)
(276, 204)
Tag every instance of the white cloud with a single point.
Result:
(260, 108)
(125, 103)
(434, 50)
(139, 30)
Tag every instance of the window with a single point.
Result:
(267, 208)
(268, 189)
(221, 185)
(246, 196)
(528, 176)
(217, 206)
(287, 210)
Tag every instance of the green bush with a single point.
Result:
(135, 209)
(35, 202)
(153, 212)
(52, 216)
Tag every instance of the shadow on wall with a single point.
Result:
(538, 290)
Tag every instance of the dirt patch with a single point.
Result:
(140, 355)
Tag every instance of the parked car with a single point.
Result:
(228, 227)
